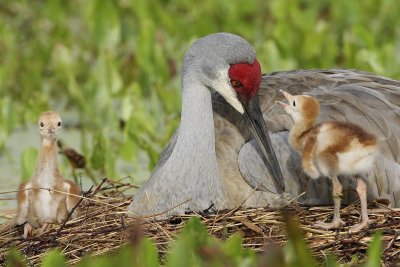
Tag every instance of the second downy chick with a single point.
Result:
(331, 149)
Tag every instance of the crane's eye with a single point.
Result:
(59, 124)
(236, 83)
(41, 125)
(294, 103)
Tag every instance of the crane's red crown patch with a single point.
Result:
(248, 76)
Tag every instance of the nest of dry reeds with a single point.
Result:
(103, 226)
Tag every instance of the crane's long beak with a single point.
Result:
(253, 116)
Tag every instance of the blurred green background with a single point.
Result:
(112, 67)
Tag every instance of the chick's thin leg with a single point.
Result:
(362, 194)
(22, 204)
(72, 198)
(22, 209)
(27, 230)
(337, 197)
(44, 226)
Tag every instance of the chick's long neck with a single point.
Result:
(47, 171)
(299, 130)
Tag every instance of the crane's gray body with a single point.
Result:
(212, 160)
(362, 98)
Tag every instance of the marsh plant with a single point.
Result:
(195, 247)
(113, 66)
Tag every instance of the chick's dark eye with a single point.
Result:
(59, 124)
(294, 103)
(41, 124)
(236, 83)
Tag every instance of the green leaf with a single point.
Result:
(103, 261)
(331, 261)
(54, 258)
(8, 116)
(183, 251)
(128, 150)
(105, 26)
(374, 251)
(148, 253)
(144, 254)
(99, 150)
(14, 258)
(103, 156)
(235, 252)
(297, 248)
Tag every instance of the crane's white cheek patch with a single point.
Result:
(223, 87)
(235, 103)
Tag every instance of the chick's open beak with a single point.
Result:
(288, 96)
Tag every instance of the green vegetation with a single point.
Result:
(113, 66)
(195, 247)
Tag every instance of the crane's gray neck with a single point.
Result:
(188, 180)
(193, 162)
(196, 139)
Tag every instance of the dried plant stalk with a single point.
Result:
(103, 226)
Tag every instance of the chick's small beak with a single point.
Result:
(284, 105)
(288, 96)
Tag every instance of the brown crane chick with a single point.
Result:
(47, 197)
(331, 149)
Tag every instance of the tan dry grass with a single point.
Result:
(103, 226)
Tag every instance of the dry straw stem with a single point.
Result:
(103, 226)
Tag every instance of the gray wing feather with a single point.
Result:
(255, 173)
(253, 169)
(362, 98)
(167, 151)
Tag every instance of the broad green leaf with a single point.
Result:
(102, 261)
(148, 253)
(297, 248)
(235, 252)
(331, 261)
(14, 258)
(192, 237)
(54, 258)
(144, 254)
(374, 251)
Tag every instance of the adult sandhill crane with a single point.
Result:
(216, 158)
